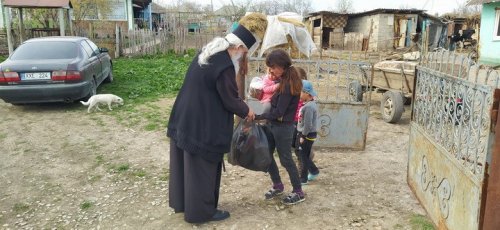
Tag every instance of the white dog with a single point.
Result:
(95, 100)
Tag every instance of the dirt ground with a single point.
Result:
(61, 168)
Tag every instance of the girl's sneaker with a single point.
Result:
(312, 176)
(294, 198)
(272, 193)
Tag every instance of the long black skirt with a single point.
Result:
(194, 185)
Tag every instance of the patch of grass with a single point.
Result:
(86, 205)
(98, 120)
(398, 226)
(151, 127)
(123, 167)
(28, 150)
(99, 159)
(20, 207)
(140, 173)
(164, 177)
(3, 136)
(120, 168)
(21, 142)
(142, 80)
(420, 222)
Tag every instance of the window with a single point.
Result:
(94, 47)
(496, 35)
(88, 49)
(45, 50)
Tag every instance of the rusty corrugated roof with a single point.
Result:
(37, 3)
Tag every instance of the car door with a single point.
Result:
(100, 68)
(92, 65)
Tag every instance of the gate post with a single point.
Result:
(492, 206)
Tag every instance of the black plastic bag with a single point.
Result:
(249, 147)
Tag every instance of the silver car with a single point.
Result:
(54, 69)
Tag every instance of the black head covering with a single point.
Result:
(245, 36)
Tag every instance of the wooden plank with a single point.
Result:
(492, 198)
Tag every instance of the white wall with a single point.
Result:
(383, 29)
(362, 25)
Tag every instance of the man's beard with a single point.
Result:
(237, 59)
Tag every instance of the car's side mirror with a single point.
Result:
(103, 50)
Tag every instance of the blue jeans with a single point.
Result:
(280, 137)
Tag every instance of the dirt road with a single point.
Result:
(63, 168)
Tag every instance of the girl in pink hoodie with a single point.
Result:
(270, 86)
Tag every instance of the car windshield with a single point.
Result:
(45, 50)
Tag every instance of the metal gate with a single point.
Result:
(343, 105)
(451, 138)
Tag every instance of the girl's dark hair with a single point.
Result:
(290, 75)
(302, 73)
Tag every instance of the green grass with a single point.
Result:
(140, 173)
(123, 167)
(164, 177)
(420, 222)
(119, 168)
(139, 80)
(20, 208)
(86, 205)
(99, 159)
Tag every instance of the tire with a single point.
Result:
(355, 91)
(391, 106)
(109, 78)
(93, 89)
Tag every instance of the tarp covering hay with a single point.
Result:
(285, 31)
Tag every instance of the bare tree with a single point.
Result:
(463, 10)
(273, 7)
(344, 6)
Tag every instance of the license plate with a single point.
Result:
(36, 76)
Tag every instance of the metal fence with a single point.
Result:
(451, 137)
(343, 105)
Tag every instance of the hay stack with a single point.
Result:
(255, 23)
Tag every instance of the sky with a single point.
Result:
(432, 6)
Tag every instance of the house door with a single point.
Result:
(403, 25)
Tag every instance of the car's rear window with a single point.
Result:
(45, 50)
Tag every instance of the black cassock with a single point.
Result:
(200, 131)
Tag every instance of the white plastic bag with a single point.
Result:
(255, 88)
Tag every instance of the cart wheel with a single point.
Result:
(355, 91)
(391, 106)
